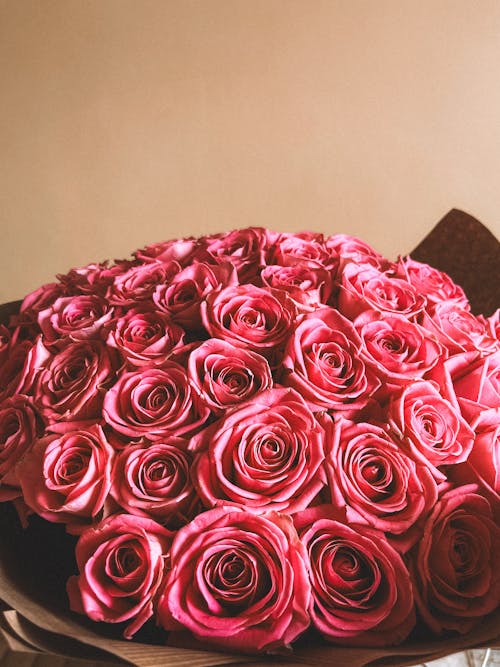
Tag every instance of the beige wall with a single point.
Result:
(123, 122)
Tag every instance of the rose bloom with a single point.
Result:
(121, 564)
(154, 403)
(139, 283)
(250, 317)
(307, 287)
(20, 425)
(11, 370)
(429, 427)
(485, 455)
(66, 478)
(323, 362)
(436, 285)
(304, 249)
(146, 337)
(476, 383)
(78, 317)
(265, 455)
(361, 590)
(397, 350)
(182, 296)
(455, 564)
(458, 330)
(68, 384)
(153, 479)
(245, 249)
(350, 249)
(224, 375)
(94, 278)
(184, 251)
(374, 483)
(36, 301)
(365, 288)
(237, 579)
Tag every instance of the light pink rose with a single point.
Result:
(374, 483)
(436, 285)
(309, 288)
(458, 330)
(68, 385)
(153, 479)
(154, 403)
(429, 427)
(182, 296)
(455, 564)
(139, 283)
(20, 425)
(265, 455)
(121, 564)
(245, 249)
(365, 288)
(250, 317)
(78, 317)
(66, 478)
(238, 580)
(224, 375)
(361, 590)
(323, 362)
(398, 351)
(146, 338)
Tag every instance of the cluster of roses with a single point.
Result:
(254, 433)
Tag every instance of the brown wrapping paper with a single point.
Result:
(35, 613)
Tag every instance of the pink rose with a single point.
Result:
(429, 427)
(224, 375)
(361, 590)
(458, 330)
(146, 337)
(154, 403)
(366, 288)
(78, 317)
(11, 370)
(66, 478)
(183, 251)
(476, 383)
(182, 296)
(455, 564)
(237, 579)
(39, 300)
(249, 317)
(153, 479)
(374, 483)
(121, 564)
(436, 285)
(397, 350)
(265, 455)
(68, 385)
(308, 288)
(20, 425)
(485, 455)
(304, 249)
(350, 249)
(94, 278)
(324, 364)
(493, 323)
(245, 249)
(139, 283)
(5, 339)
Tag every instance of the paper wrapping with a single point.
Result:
(35, 563)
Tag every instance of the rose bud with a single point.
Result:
(139, 283)
(78, 317)
(350, 249)
(245, 249)
(121, 564)
(309, 288)
(303, 249)
(238, 580)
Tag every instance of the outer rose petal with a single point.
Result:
(265, 606)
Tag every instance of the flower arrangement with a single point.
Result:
(261, 439)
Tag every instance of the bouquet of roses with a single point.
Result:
(261, 438)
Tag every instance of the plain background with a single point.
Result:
(124, 122)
